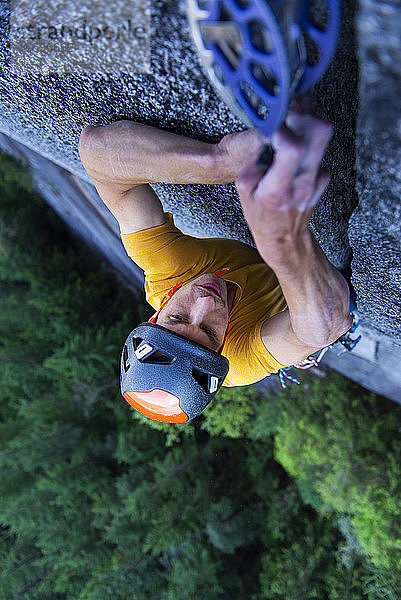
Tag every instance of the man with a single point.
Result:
(261, 309)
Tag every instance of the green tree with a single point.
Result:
(344, 449)
(193, 574)
(60, 332)
(98, 501)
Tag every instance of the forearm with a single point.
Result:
(130, 154)
(316, 293)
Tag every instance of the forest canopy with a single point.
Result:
(290, 496)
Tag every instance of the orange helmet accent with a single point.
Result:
(158, 405)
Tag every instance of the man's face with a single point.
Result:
(198, 313)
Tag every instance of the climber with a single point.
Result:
(236, 313)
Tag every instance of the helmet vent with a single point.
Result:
(158, 358)
(146, 353)
(125, 358)
(136, 341)
(202, 378)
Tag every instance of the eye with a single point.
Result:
(207, 331)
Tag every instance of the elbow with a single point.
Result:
(346, 325)
(340, 329)
(94, 144)
(91, 152)
(319, 337)
(86, 131)
(85, 141)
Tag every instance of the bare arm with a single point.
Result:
(316, 293)
(277, 206)
(124, 157)
(126, 154)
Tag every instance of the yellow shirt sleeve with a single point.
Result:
(247, 351)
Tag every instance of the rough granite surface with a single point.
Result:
(375, 226)
(48, 112)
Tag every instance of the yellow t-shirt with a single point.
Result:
(168, 256)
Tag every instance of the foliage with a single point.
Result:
(56, 398)
(174, 432)
(194, 558)
(242, 412)
(302, 543)
(229, 412)
(100, 502)
(345, 447)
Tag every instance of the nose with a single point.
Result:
(201, 307)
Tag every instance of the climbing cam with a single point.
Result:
(257, 53)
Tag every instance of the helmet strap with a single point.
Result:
(223, 270)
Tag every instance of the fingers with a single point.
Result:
(266, 157)
(289, 154)
(320, 135)
(303, 141)
(294, 177)
(262, 138)
(300, 190)
(280, 174)
(310, 197)
(312, 131)
(235, 150)
(242, 143)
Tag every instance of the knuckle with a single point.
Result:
(280, 199)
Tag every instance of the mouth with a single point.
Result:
(212, 287)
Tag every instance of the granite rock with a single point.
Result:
(47, 112)
(374, 229)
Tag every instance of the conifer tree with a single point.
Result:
(344, 450)
(96, 501)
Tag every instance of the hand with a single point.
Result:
(234, 150)
(278, 204)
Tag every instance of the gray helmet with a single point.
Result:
(168, 377)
